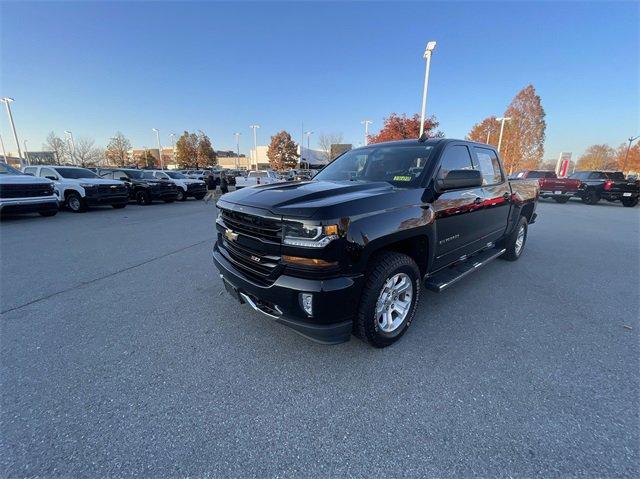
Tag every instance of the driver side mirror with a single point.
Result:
(456, 179)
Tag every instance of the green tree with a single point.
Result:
(282, 152)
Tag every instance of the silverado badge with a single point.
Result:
(230, 235)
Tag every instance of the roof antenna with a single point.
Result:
(427, 56)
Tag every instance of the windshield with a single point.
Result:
(398, 165)
(76, 173)
(175, 175)
(8, 170)
(135, 174)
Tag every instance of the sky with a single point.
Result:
(99, 67)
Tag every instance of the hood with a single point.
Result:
(23, 180)
(94, 181)
(190, 181)
(315, 198)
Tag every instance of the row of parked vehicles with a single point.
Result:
(590, 186)
(45, 188)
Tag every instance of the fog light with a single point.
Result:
(306, 299)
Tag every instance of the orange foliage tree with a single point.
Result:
(398, 127)
(487, 131)
(630, 162)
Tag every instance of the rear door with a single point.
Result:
(494, 214)
(458, 216)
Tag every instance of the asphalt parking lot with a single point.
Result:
(122, 356)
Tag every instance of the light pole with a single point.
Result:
(427, 56)
(308, 133)
(7, 103)
(173, 145)
(626, 156)
(255, 142)
(26, 152)
(4, 153)
(502, 120)
(488, 135)
(159, 147)
(237, 135)
(366, 124)
(72, 146)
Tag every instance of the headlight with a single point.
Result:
(309, 236)
(87, 185)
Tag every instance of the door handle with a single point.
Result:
(478, 200)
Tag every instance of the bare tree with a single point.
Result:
(118, 149)
(325, 140)
(86, 153)
(58, 146)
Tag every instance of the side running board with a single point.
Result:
(444, 278)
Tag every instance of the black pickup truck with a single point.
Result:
(607, 185)
(346, 251)
(142, 188)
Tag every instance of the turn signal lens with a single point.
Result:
(308, 262)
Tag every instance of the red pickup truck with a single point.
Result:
(560, 189)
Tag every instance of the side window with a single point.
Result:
(31, 170)
(455, 157)
(47, 172)
(489, 166)
(596, 176)
(107, 174)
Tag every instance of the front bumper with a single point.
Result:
(29, 205)
(106, 199)
(163, 193)
(335, 301)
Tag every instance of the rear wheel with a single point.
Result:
(561, 199)
(516, 241)
(591, 197)
(389, 299)
(143, 197)
(75, 202)
(629, 202)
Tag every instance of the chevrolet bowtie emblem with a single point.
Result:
(230, 235)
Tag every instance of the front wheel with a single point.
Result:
(629, 202)
(143, 197)
(516, 240)
(75, 202)
(389, 299)
(561, 199)
(182, 195)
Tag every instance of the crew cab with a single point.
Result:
(346, 252)
(607, 185)
(253, 178)
(144, 189)
(79, 188)
(560, 189)
(20, 193)
(187, 187)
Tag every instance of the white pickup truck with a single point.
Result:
(264, 177)
(20, 193)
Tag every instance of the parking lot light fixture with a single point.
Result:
(7, 103)
(626, 156)
(427, 56)
(501, 120)
(366, 124)
(308, 133)
(159, 148)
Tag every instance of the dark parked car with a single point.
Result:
(346, 252)
(143, 190)
(607, 185)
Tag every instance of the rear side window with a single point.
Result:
(597, 176)
(107, 174)
(30, 169)
(455, 157)
(489, 166)
(44, 172)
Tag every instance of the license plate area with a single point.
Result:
(626, 194)
(233, 291)
(557, 192)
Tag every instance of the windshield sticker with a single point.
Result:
(401, 178)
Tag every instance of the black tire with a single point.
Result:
(629, 202)
(384, 267)
(590, 197)
(513, 251)
(75, 202)
(182, 195)
(561, 199)
(119, 206)
(48, 213)
(199, 196)
(143, 197)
